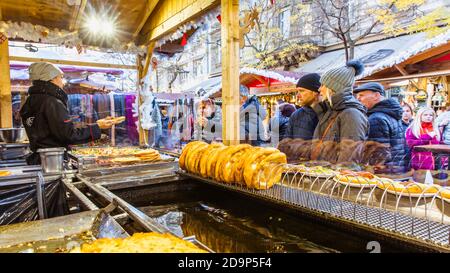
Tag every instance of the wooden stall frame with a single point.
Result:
(230, 72)
(5, 85)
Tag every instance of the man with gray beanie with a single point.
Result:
(45, 115)
(342, 118)
(385, 124)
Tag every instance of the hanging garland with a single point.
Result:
(69, 39)
(203, 22)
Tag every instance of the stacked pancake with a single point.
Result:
(149, 155)
(114, 120)
(254, 167)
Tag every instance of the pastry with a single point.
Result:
(203, 162)
(185, 151)
(5, 173)
(140, 243)
(270, 171)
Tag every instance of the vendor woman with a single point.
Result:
(45, 115)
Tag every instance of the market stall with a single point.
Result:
(419, 74)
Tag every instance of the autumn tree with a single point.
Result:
(352, 20)
(267, 40)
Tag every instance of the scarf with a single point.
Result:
(426, 128)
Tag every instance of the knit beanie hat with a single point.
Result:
(43, 71)
(310, 82)
(338, 79)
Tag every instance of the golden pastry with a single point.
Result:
(270, 171)
(212, 161)
(445, 193)
(184, 153)
(125, 160)
(190, 158)
(251, 165)
(140, 243)
(238, 167)
(228, 167)
(5, 173)
(408, 187)
(203, 163)
(225, 158)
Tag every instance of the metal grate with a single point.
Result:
(394, 222)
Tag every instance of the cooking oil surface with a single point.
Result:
(228, 224)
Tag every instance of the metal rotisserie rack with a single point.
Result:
(421, 219)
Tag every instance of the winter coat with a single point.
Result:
(212, 130)
(47, 122)
(252, 115)
(421, 160)
(347, 123)
(278, 128)
(407, 149)
(386, 126)
(164, 138)
(446, 129)
(302, 123)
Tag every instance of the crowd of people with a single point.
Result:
(337, 122)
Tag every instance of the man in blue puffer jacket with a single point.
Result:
(385, 124)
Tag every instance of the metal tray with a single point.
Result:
(59, 234)
(90, 163)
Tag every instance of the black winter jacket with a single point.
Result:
(47, 122)
(302, 123)
(386, 126)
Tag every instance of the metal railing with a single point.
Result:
(379, 203)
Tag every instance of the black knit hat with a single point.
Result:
(310, 81)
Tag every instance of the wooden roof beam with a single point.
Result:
(149, 7)
(76, 15)
(427, 54)
(76, 63)
(195, 9)
(401, 70)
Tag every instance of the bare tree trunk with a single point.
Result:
(172, 81)
(344, 40)
(351, 49)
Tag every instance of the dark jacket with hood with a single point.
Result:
(252, 115)
(47, 122)
(278, 128)
(386, 126)
(302, 123)
(346, 120)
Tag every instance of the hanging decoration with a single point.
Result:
(3, 38)
(70, 39)
(202, 22)
(154, 62)
(184, 40)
